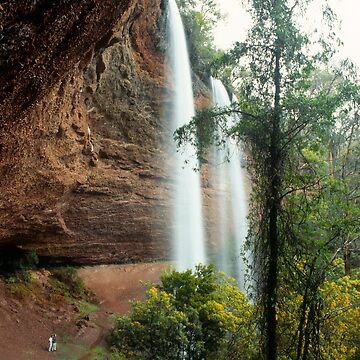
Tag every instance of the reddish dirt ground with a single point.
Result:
(115, 285)
(26, 324)
(24, 329)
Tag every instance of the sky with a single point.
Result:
(237, 23)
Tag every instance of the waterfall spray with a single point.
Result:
(188, 234)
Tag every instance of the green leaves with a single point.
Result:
(199, 18)
(189, 315)
(154, 330)
(300, 125)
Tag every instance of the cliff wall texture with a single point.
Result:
(81, 166)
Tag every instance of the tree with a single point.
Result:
(318, 209)
(199, 18)
(189, 315)
(336, 304)
(280, 107)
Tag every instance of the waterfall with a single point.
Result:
(231, 201)
(188, 233)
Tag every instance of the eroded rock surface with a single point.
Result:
(81, 162)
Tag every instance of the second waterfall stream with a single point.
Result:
(188, 236)
(231, 201)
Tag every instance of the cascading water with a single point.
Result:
(230, 178)
(188, 234)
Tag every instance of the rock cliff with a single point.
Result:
(81, 165)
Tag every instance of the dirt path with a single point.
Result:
(25, 325)
(115, 285)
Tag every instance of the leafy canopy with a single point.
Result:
(199, 18)
(189, 315)
(301, 211)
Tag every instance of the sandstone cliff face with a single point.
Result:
(81, 165)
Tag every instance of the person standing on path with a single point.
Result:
(50, 343)
(54, 342)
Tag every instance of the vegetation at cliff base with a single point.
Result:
(189, 315)
(203, 315)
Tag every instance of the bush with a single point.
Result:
(190, 315)
(69, 277)
(116, 355)
(15, 264)
(84, 310)
(19, 283)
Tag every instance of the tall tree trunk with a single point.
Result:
(346, 248)
(272, 280)
(273, 237)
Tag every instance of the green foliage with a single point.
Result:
(20, 284)
(190, 315)
(70, 281)
(321, 214)
(84, 310)
(116, 355)
(199, 18)
(208, 128)
(327, 318)
(16, 264)
(300, 125)
(20, 277)
(98, 353)
(154, 331)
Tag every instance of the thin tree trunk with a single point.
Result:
(302, 324)
(346, 249)
(346, 256)
(331, 158)
(272, 284)
(310, 321)
(272, 279)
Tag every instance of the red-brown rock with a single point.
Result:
(81, 168)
